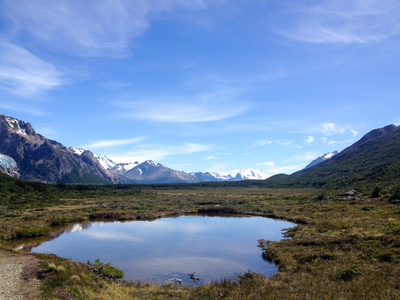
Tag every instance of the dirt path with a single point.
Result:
(18, 279)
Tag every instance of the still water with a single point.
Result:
(155, 251)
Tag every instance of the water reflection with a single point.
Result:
(213, 247)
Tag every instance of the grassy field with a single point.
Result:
(342, 248)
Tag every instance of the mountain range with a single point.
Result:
(31, 156)
(152, 172)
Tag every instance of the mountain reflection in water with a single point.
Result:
(213, 247)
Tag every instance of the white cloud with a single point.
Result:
(267, 163)
(329, 128)
(198, 108)
(332, 128)
(354, 132)
(113, 143)
(262, 143)
(309, 139)
(24, 74)
(211, 157)
(286, 143)
(98, 28)
(343, 21)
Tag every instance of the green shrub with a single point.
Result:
(106, 270)
(391, 254)
(27, 232)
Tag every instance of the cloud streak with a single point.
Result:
(345, 22)
(198, 108)
(113, 143)
(95, 28)
(24, 74)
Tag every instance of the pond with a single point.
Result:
(159, 250)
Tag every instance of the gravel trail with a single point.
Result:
(18, 278)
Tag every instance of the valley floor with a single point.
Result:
(344, 247)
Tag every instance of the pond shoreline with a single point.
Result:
(236, 230)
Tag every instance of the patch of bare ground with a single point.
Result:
(18, 276)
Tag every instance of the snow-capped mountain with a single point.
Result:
(124, 167)
(153, 172)
(237, 175)
(320, 159)
(250, 174)
(109, 164)
(104, 161)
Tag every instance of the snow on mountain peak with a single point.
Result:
(14, 124)
(248, 174)
(152, 163)
(124, 167)
(78, 151)
(251, 174)
(105, 162)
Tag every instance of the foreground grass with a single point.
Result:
(342, 247)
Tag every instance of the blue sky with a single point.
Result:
(202, 85)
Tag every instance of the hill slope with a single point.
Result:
(374, 159)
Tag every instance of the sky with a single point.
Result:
(202, 85)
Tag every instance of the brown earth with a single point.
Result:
(18, 276)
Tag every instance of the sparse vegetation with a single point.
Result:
(344, 247)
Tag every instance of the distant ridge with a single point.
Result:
(374, 159)
(150, 172)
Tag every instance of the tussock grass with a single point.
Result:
(342, 248)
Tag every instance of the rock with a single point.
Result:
(351, 193)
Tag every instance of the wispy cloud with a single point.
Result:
(21, 107)
(96, 28)
(338, 21)
(267, 163)
(24, 74)
(158, 152)
(211, 157)
(113, 143)
(197, 108)
(261, 143)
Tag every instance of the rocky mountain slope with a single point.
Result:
(40, 159)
